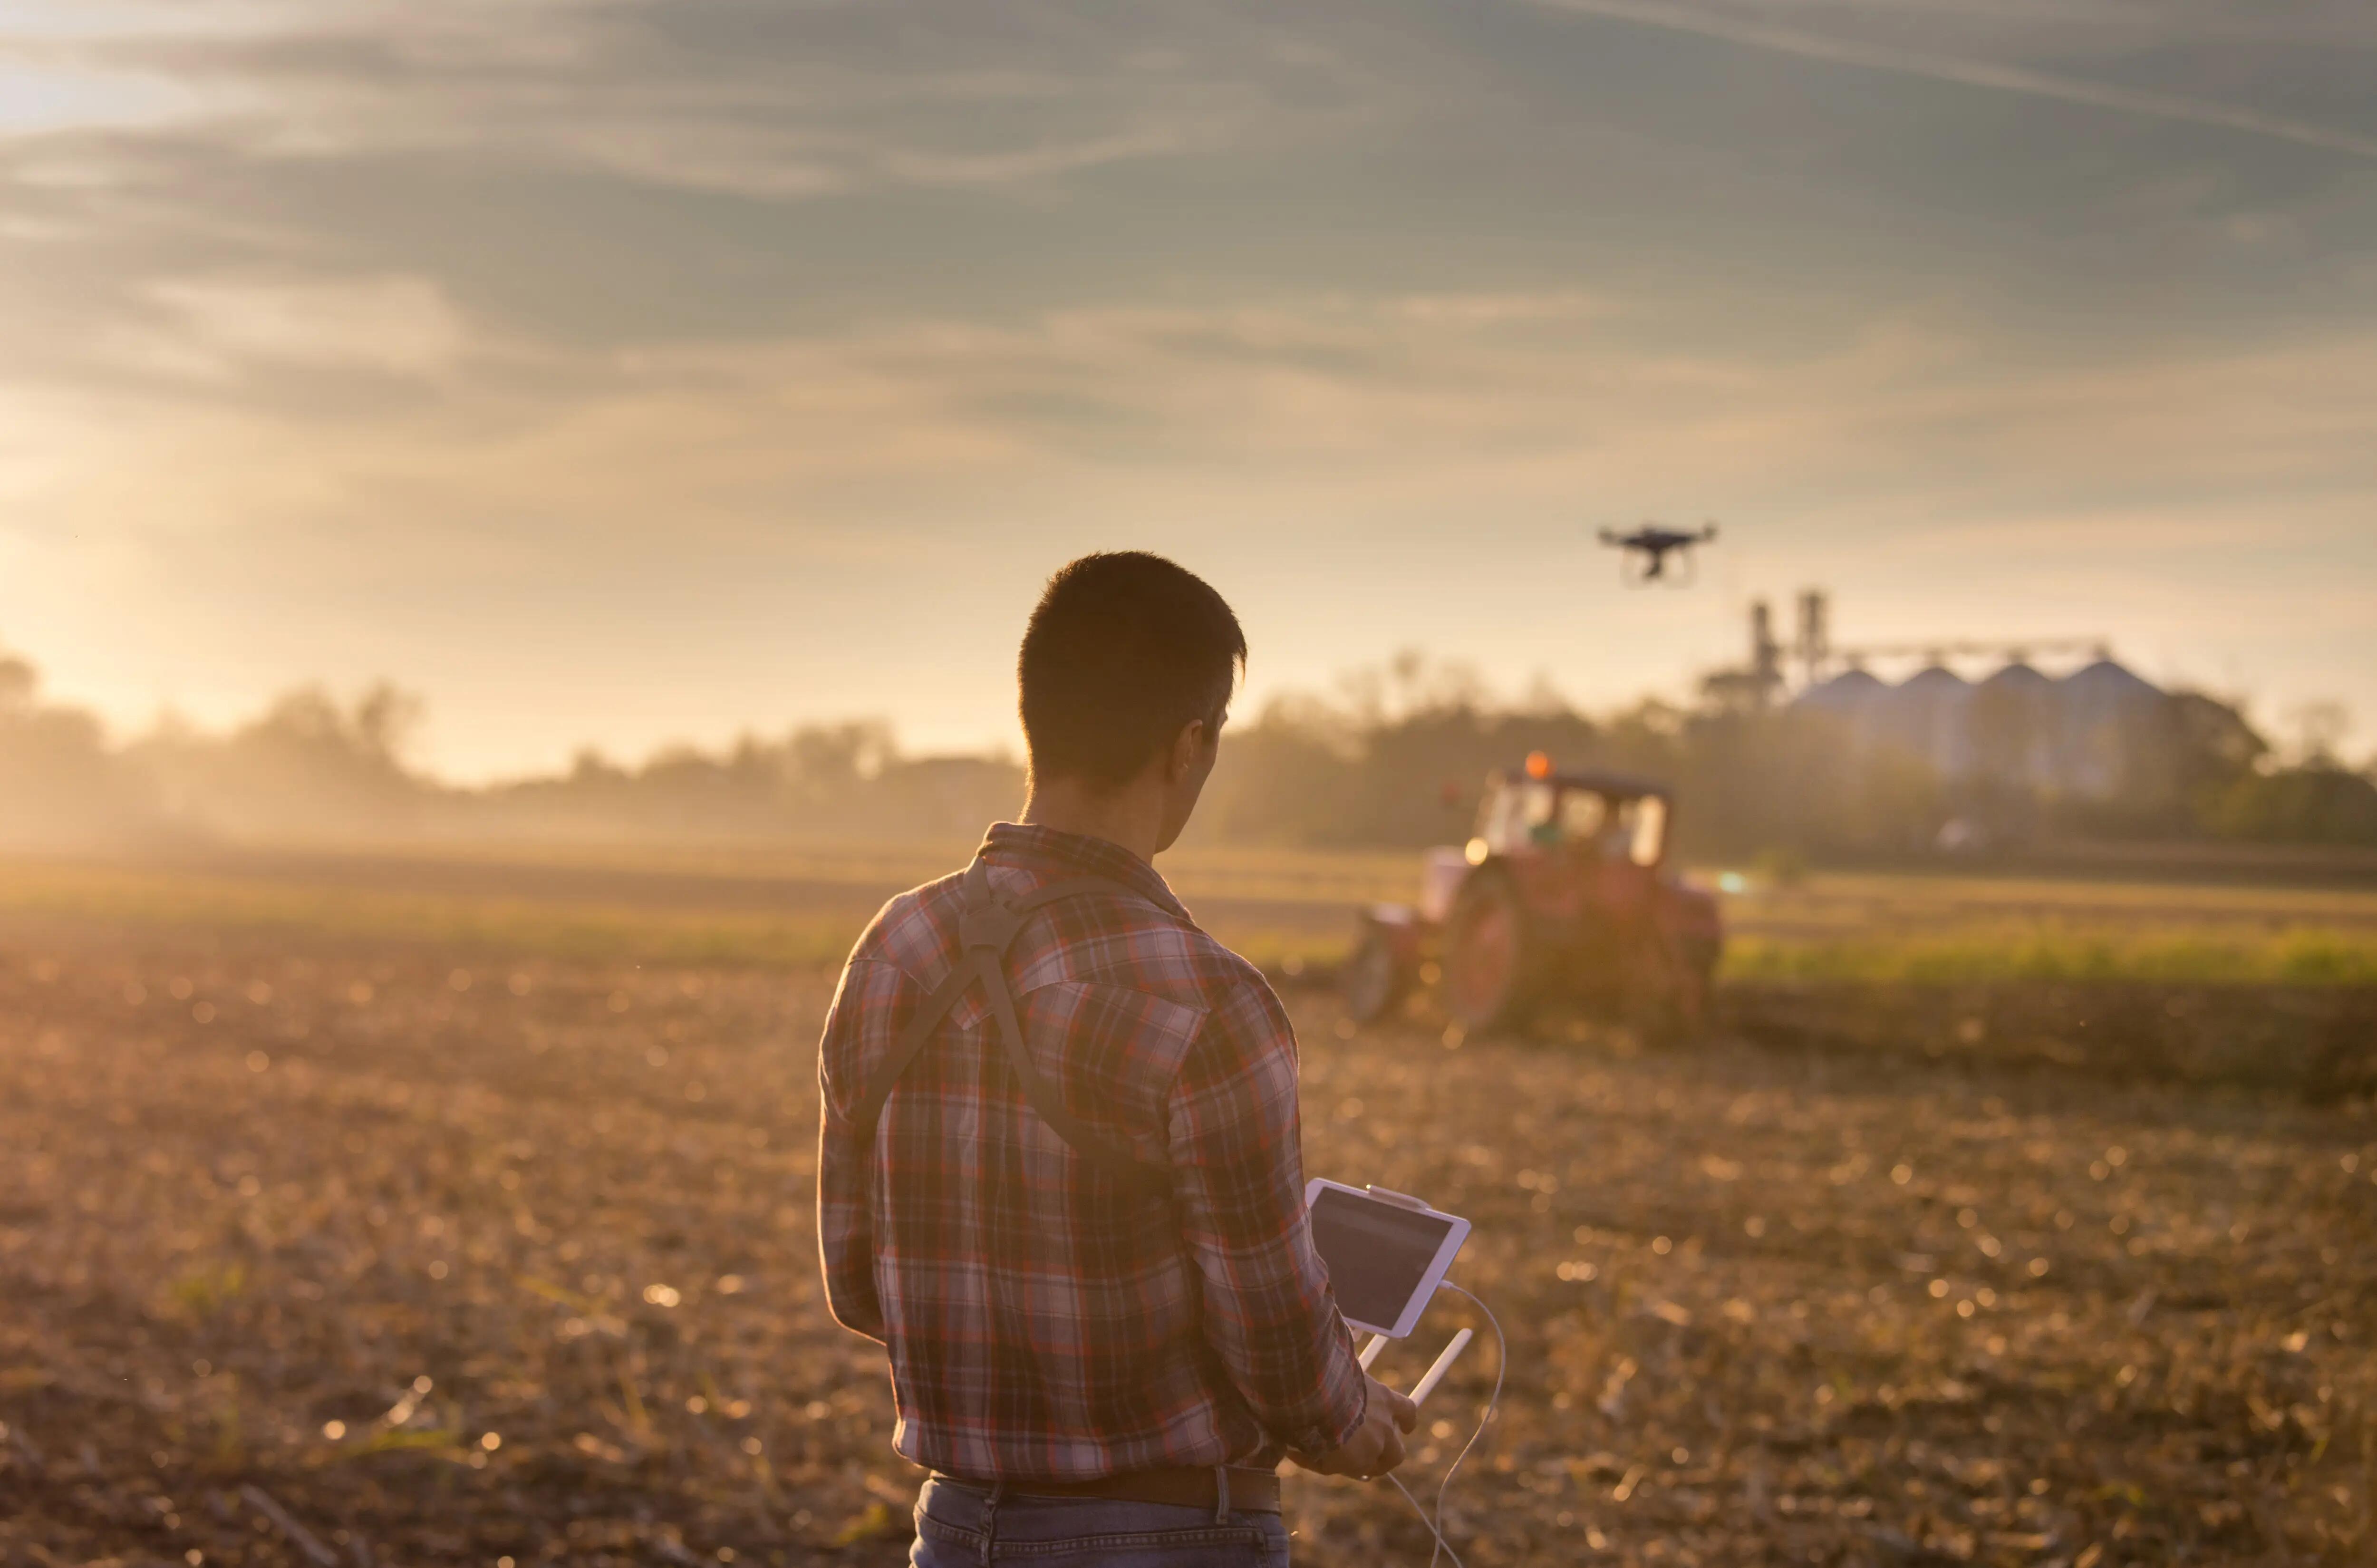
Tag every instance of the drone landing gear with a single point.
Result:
(1679, 570)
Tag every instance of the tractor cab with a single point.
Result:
(1606, 817)
(1569, 839)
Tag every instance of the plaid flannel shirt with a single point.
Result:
(1041, 1323)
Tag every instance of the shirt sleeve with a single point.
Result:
(1235, 1145)
(844, 1226)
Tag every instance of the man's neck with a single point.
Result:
(1131, 817)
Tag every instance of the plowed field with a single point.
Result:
(320, 1249)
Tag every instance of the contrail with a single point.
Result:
(1969, 73)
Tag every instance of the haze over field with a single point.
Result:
(630, 372)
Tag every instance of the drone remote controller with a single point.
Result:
(1435, 1373)
(1387, 1253)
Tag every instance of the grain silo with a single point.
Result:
(2013, 728)
(1928, 714)
(2102, 712)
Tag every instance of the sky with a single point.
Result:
(622, 372)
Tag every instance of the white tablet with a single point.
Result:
(1386, 1252)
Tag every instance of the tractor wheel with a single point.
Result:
(1375, 979)
(1489, 958)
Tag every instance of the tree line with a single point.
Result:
(1396, 758)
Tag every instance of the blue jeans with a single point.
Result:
(959, 1525)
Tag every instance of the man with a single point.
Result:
(1058, 1172)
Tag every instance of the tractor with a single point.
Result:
(1563, 893)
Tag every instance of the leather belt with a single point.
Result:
(1187, 1486)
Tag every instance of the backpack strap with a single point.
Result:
(987, 926)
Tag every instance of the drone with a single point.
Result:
(1645, 551)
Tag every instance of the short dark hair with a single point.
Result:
(1123, 650)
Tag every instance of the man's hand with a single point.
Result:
(1377, 1445)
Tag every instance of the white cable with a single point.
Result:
(1436, 1523)
(1442, 1544)
(1502, 1364)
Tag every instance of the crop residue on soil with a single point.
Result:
(388, 1253)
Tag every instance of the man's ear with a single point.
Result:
(1184, 749)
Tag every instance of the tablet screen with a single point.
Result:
(1376, 1253)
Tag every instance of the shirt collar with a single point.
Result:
(1050, 850)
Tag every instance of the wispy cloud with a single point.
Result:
(217, 328)
(1982, 73)
(1345, 406)
(767, 100)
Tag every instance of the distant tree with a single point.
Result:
(19, 682)
(60, 786)
(1396, 758)
(2204, 747)
(590, 767)
(305, 768)
(2306, 804)
(2318, 728)
(2179, 758)
(1278, 776)
(826, 761)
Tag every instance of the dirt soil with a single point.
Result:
(396, 1254)
(2316, 1042)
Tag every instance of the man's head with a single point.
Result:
(1125, 674)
